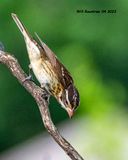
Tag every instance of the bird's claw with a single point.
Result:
(45, 95)
(28, 78)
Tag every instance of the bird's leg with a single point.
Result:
(45, 93)
(29, 77)
(30, 71)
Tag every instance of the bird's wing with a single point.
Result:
(62, 73)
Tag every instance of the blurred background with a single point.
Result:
(94, 49)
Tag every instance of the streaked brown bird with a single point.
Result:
(49, 71)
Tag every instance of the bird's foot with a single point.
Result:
(28, 78)
(45, 94)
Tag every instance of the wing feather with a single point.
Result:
(62, 73)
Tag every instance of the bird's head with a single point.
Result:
(69, 99)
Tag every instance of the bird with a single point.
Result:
(52, 75)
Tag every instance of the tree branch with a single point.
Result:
(13, 65)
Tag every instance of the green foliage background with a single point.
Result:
(92, 46)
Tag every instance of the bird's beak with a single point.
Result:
(70, 112)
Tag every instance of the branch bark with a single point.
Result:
(13, 65)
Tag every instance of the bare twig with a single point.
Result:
(36, 92)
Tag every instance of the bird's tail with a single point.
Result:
(21, 27)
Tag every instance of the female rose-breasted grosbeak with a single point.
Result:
(49, 71)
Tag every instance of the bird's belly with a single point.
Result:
(44, 74)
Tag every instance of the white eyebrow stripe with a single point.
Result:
(67, 96)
